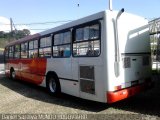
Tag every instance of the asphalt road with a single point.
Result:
(18, 97)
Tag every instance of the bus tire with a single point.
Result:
(12, 74)
(53, 85)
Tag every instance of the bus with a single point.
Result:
(103, 57)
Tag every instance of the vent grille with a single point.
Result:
(87, 83)
(87, 86)
(87, 72)
(126, 62)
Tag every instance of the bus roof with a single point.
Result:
(58, 28)
(96, 16)
(27, 38)
(80, 21)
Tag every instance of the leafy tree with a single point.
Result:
(20, 33)
(26, 32)
(2, 34)
(10, 36)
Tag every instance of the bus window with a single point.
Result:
(86, 33)
(58, 38)
(61, 51)
(45, 47)
(17, 51)
(35, 44)
(33, 49)
(94, 32)
(62, 46)
(87, 41)
(24, 50)
(79, 34)
(11, 50)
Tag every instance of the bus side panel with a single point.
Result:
(26, 70)
(15, 64)
(33, 70)
(30, 70)
(7, 69)
(40, 71)
(63, 68)
(97, 65)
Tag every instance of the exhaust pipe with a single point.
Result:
(117, 56)
(110, 5)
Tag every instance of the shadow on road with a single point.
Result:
(147, 103)
(41, 94)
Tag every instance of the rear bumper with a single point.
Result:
(125, 93)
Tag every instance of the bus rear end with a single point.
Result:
(129, 57)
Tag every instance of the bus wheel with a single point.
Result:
(12, 74)
(53, 85)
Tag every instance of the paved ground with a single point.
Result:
(18, 97)
(1, 70)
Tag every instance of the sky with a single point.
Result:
(59, 11)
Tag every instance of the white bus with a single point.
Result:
(103, 57)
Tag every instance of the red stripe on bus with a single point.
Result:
(31, 70)
(125, 93)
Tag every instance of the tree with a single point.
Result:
(21, 33)
(6, 37)
(26, 32)
(2, 34)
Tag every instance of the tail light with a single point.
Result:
(117, 87)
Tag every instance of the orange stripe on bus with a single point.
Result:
(31, 70)
(125, 93)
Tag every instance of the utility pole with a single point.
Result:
(11, 24)
(15, 30)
